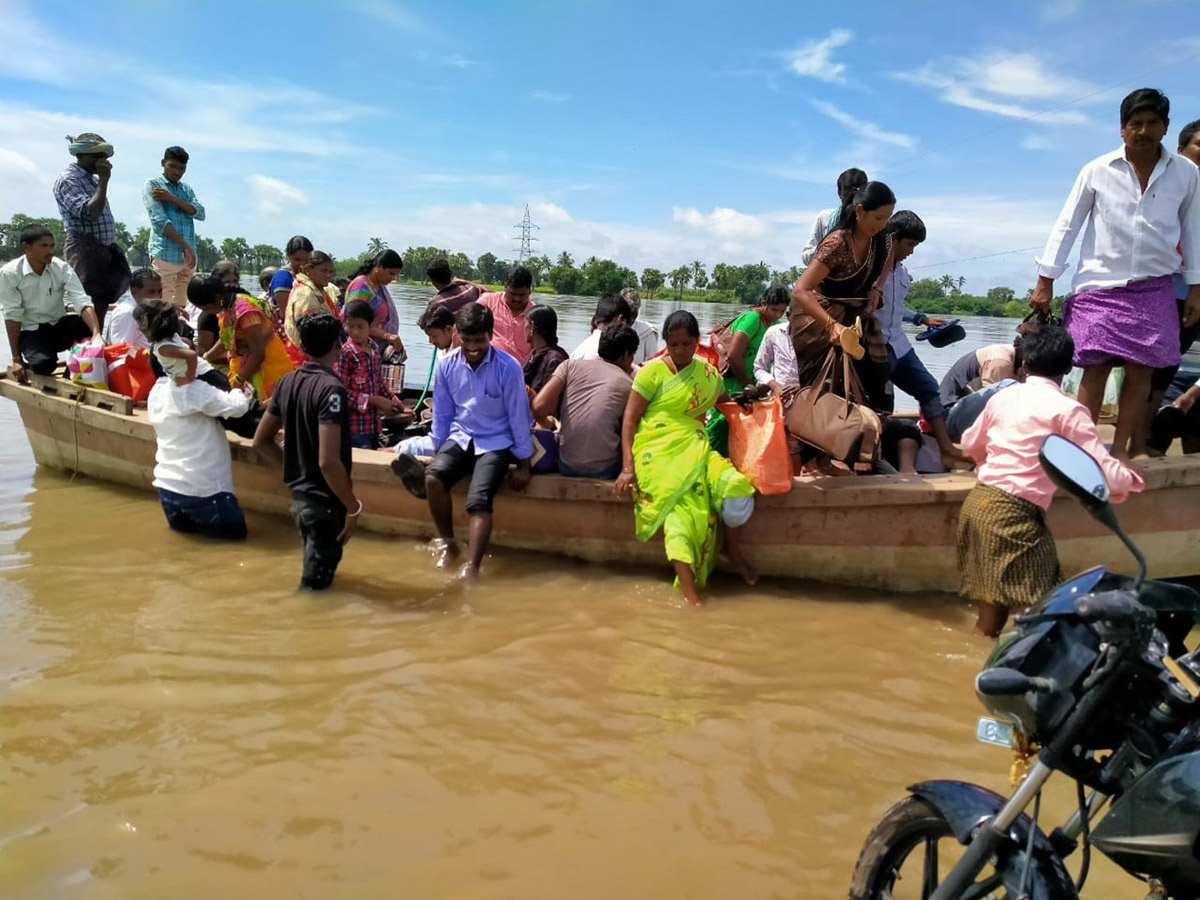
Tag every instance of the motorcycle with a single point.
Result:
(1096, 680)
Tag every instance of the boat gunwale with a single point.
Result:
(98, 408)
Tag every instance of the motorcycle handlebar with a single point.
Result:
(1114, 607)
(1002, 682)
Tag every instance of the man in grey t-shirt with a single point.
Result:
(589, 396)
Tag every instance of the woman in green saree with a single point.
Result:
(679, 483)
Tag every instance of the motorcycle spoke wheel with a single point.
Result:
(910, 852)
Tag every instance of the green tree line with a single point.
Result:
(694, 281)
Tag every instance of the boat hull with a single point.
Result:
(882, 532)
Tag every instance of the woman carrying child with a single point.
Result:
(256, 354)
(158, 320)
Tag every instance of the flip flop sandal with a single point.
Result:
(849, 339)
(411, 472)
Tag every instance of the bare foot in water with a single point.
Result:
(444, 553)
(742, 566)
(468, 573)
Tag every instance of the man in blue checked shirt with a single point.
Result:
(173, 209)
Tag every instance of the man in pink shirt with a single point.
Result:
(508, 312)
(1006, 554)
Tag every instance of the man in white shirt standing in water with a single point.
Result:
(192, 466)
(1138, 203)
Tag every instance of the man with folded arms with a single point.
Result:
(173, 210)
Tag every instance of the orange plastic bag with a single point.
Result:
(758, 446)
(129, 371)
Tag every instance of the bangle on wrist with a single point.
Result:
(356, 513)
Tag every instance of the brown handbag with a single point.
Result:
(842, 426)
(721, 340)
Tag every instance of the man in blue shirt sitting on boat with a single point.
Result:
(481, 424)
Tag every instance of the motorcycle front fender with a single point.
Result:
(964, 806)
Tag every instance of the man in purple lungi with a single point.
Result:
(1139, 208)
(82, 196)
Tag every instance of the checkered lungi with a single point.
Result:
(1006, 554)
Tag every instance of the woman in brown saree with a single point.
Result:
(844, 282)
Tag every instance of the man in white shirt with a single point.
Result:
(35, 289)
(611, 309)
(848, 182)
(775, 366)
(119, 325)
(1138, 207)
(648, 337)
(192, 469)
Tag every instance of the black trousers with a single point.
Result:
(40, 347)
(487, 471)
(320, 520)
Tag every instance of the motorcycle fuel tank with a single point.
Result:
(1152, 829)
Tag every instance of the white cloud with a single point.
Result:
(1021, 75)
(453, 60)
(1038, 142)
(14, 165)
(732, 229)
(1058, 10)
(393, 15)
(866, 130)
(543, 213)
(272, 196)
(998, 83)
(549, 96)
(815, 58)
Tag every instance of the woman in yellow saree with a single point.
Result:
(679, 483)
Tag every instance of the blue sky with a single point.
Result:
(651, 133)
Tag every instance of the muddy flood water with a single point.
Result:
(177, 721)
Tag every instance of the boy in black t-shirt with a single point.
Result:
(310, 404)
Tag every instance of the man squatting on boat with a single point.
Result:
(623, 409)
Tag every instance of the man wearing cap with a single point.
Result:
(35, 289)
(82, 196)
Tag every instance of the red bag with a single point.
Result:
(758, 446)
(129, 371)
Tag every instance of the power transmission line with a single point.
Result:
(526, 239)
(950, 262)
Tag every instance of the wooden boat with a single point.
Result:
(884, 532)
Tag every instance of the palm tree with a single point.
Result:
(699, 276)
(375, 246)
(961, 281)
(680, 278)
(946, 282)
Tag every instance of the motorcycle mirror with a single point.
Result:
(1075, 471)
